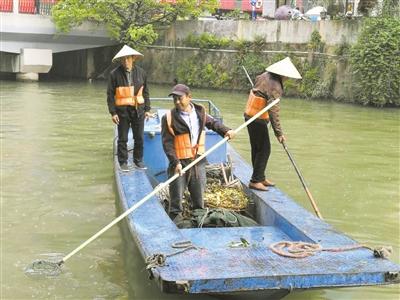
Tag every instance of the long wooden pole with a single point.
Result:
(313, 203)
(248, 76)
(162, 185)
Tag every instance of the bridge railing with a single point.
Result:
(6, 5)
(40, 7)
(26, 7)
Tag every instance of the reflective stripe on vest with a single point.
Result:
(254, 105)
(124, 95)
(182, 143)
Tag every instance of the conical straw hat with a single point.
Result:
(127, 51)
(284, 67)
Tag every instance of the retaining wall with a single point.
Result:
(160, 61)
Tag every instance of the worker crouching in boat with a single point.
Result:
(183, 136)
(268, 87)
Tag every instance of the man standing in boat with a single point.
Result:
(268, 87)
(183, 136)
(129, 104)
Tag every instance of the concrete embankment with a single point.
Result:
(164, 60)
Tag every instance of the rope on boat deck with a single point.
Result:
(302, 249)
(159, 259)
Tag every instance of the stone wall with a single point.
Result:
(289, 32)
(161, 65)
(161, 60)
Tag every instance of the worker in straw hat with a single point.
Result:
(268, 87)
(129, 104)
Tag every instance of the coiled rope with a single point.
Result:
(302, 249)
(159, 259)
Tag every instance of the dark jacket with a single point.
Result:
(118, 78)
(180, 127)
(270, 87)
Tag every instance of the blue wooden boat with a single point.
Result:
(212, 266)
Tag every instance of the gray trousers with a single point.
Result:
(195, 180)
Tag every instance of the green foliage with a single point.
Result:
(343, 49)
(133, 22)
(213, 76)
(316, 44)
(233, 14)
(276, 57)
(259, 44)
(375, 62)
(325, 84)
(191, 40)
(254, 65)
(292, 86)
(310, 79)
(384, 8)
(196, 72)
(145, 34)
(390, 8)
(206, 41)
(318, 77)
(188, 71)
(242, 45)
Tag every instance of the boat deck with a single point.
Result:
(221, 238)
(217, 267)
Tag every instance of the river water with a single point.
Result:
(57, 185)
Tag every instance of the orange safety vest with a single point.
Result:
(183, 144)
(254, 105)
(124, 95)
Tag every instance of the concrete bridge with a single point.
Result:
(29, 38)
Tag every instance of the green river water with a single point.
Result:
(57, 185)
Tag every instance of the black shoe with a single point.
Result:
(140, 165)
(124, 167)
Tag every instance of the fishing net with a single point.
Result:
(43, 268)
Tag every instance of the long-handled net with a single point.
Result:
(51, 266)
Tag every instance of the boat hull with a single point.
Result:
(213, 268)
